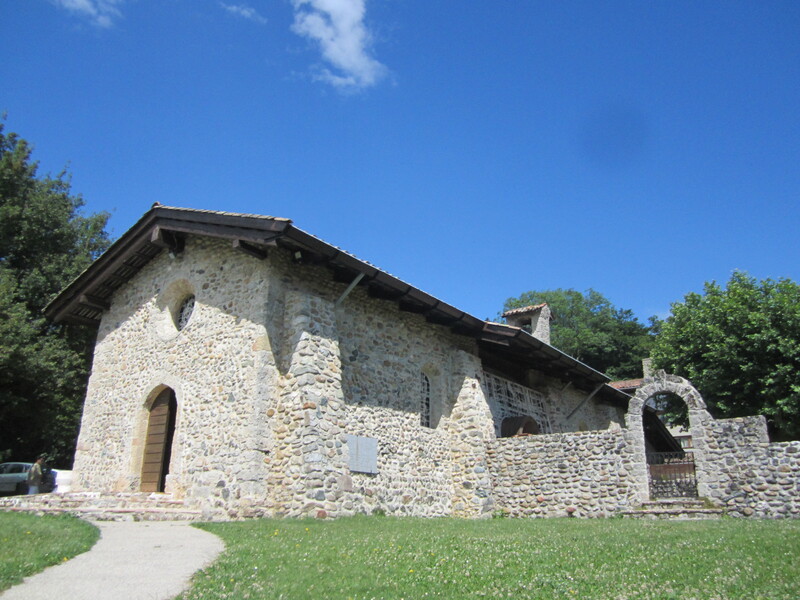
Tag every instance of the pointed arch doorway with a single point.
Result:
(158, 443)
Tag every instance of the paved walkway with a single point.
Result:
(147, 560)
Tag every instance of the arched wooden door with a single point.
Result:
(158, 444)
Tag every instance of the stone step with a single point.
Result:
(116, 514)
(687, 509)
(109, 507)
(101, 502)
(112, 504)
(675, 503)
(98, 505)
(675, 513)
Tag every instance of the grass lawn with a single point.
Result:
(375, 557)
(29, 543)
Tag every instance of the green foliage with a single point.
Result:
(740, 347)
(364, 558)
(45, 242)
(31, 543)
(590, 328)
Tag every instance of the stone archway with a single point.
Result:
(662, 383)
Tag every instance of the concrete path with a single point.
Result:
(147, 560)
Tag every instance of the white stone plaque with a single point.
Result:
(363, 454)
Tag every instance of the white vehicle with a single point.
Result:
(14, 478)
(63, 482)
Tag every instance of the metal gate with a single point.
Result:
(672, 475)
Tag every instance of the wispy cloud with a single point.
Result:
(245, 12)
(338, 27)
(100, 12)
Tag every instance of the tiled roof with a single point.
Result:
(524, 309)
(627, 384)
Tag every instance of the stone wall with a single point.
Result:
(376, 355)
(275, 370)
(213, 365)
(270, 375)
(353, 366)
(750, 476)
(384, 354)
(585, 474)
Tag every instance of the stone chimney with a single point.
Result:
(647, 367)
(533, 319)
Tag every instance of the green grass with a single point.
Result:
(369, 557)
(29, 543)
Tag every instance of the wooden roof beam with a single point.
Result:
(81, 320)
(256, 251)
(439, 318)
(497, 341)
(167, 239)
(412, 307)
(94, 302)
(343, 275)
(382, 292)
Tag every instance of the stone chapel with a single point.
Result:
(245, 367)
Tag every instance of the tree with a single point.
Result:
(45, 242)
(590, 328)
(740, 347)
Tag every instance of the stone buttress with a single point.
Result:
(471, 427)
(309, 464)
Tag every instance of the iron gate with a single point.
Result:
(672, 475)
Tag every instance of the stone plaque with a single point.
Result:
(363, 454)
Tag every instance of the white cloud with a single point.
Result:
(338, 27)
(244, 11)
(100, 12)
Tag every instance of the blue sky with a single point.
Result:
(474, 149)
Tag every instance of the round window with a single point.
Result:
(184, 312)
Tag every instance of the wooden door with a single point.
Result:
(158, 444)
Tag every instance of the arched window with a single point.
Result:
(513, 426)
(425, 401)
(184, 313)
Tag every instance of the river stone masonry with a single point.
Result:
(585, 474)
(271, 374)
(753, 477)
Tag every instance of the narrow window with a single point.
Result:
(425, 401)
(184, 313)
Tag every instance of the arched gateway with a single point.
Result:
(677, 473)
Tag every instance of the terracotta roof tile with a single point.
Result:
(627, 384)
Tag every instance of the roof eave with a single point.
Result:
(144, 234)
(257, 229)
